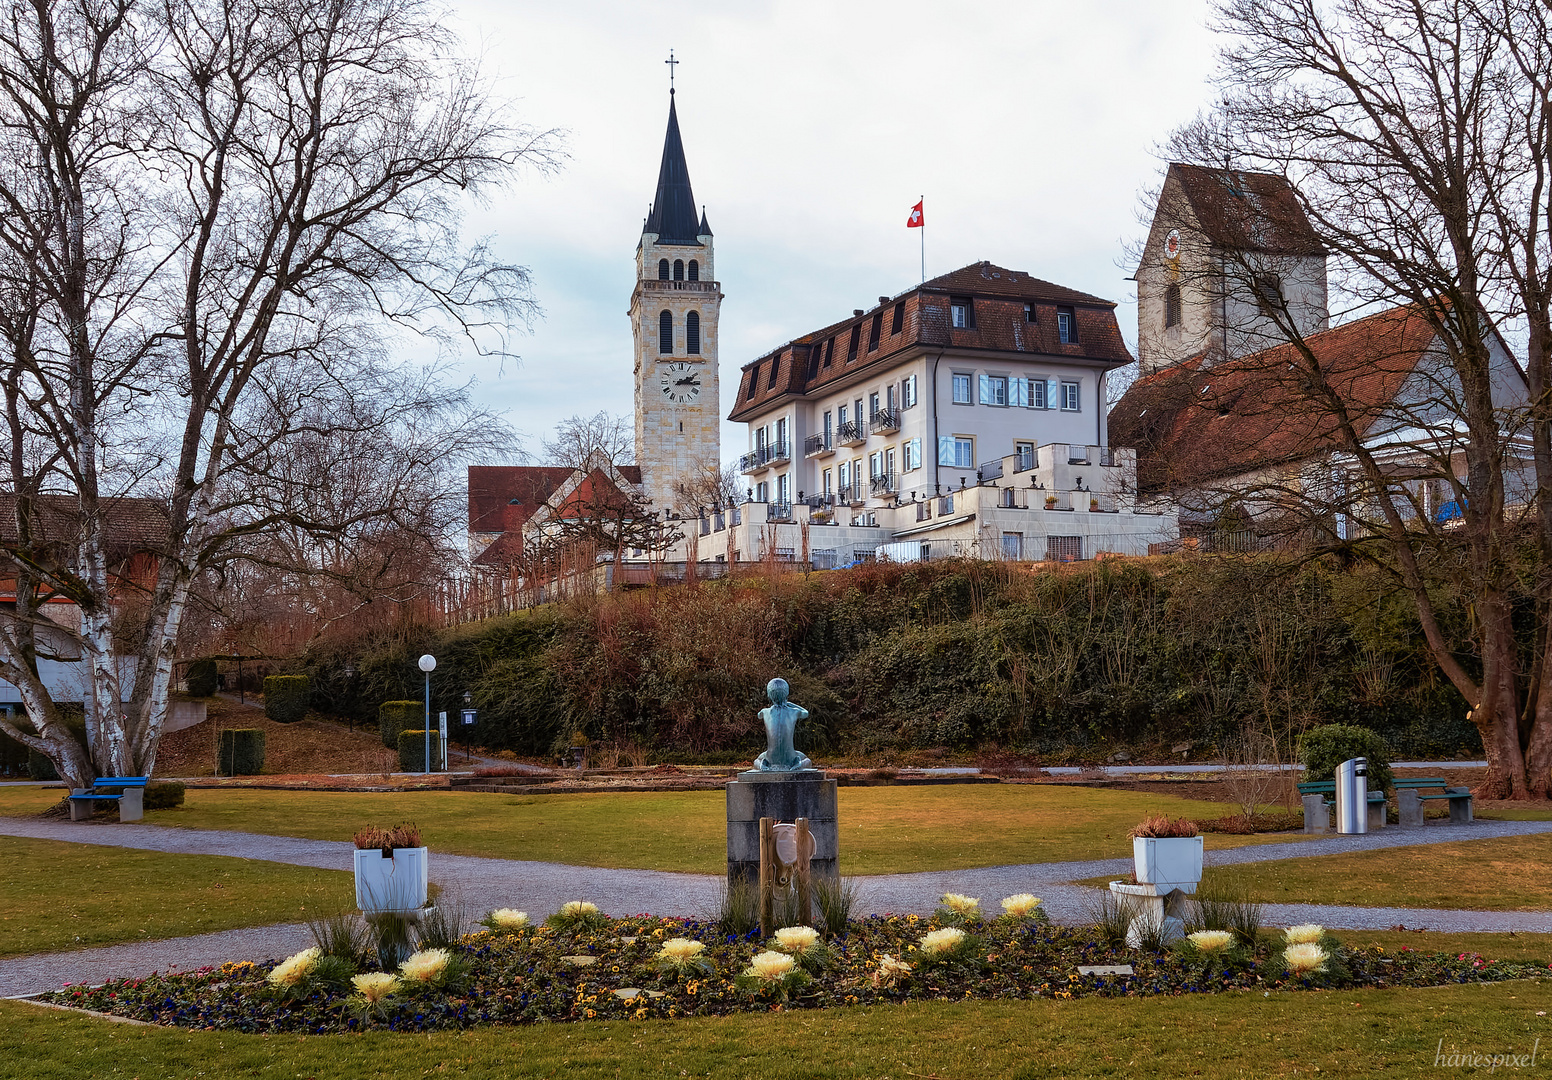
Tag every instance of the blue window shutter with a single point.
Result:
(946, 450)
(1018, 392)
(986, 389)
(1053, 398)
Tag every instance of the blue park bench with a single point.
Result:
(1409, 799)
(1320, 795)
(127, 791)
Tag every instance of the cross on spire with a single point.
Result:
(672, 63)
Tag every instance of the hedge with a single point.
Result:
(395, 716)
(200, 679)
(412, 749)
(241, 752)
(163, 795)
(285, 698)
(1323, 748)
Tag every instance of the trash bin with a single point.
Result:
(1352, 796)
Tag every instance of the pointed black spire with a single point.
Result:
(673, 211)
(705, 228)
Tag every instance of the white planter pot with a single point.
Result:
(1168, 862)
(391, 884)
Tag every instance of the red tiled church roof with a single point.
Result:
(1192, 423)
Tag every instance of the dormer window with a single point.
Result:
(897, 323)
(662, 269)
(856, 340)
(1029, 313)
(775, 367)
(678, 269)
(961, 313)
(694, 270)
(875, 330)
(1066, 326)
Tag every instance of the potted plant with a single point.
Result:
(1050, 502)
(391, 870)
(1093, 504)
(1167, 854)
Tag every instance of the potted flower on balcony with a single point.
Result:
(391, 870)
(1093, 504)
(1050, 502)
(1167, 854)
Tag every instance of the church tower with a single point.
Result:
(673, 316)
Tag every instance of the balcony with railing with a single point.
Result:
(1025, 458)
(778, 511)
(850, 494)
(989, 470)
(851, 433)
(659, 285)
(945, 505)
(885, 422)
(883, 484)
(763, 457)
(819, 445)
(924, 510)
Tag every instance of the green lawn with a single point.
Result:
(1334, 1034)
(883, 829)
(56, 895)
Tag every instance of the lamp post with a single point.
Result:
(350, 677)
(428, 665)
(468, 699)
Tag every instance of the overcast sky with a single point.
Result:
(810, 129)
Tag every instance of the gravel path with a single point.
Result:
(538, 887)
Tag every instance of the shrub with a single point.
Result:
(1161, 826)
(285, 698)
(40, 767)
(394, 717)
(241, 752)
(412, 751)
(200, 679)
(1323, 748)
(163, 795)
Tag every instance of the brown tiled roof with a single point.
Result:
(132, 524)
(503, 497)
(1193, 423)
(815, 360)
(1248, 211)
(503, 551)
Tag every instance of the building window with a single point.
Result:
(694, 270)
(1037, 394)
(961, 313)
(908, 392)
(840, 415)
(994, 389)
(762, 492)
(1012, 545)
(826, 477)
(775, 367)
(956, 451)
(1172, 306)
(1269, 292)
(692, 333)
(1025, 453)
(873, 406)
(665, 332)
(897, 323)
(856, 339)
(662, 269)
(1066, 326)
(910, 455)
(1029, 313)
(874, 330)
(678, 269)
(1063, 548)
(829, 351)
(961, 389)
(1070, 399)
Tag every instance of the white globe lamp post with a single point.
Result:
(427, 665)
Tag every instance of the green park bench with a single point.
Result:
(1409, 800)
(127, 791)
(1320, 795)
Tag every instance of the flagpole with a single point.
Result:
(924, 245)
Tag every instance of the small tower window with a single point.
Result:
(1172, 306)
(665, 332)
(678, 269)
(695, 270)
(662, 269)
(692, 332)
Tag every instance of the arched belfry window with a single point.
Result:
(678, 269)
(662, 269)
(695, 270)
(665, 332)
(692, 332)
(1172, 306)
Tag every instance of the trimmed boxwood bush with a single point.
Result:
(241, 752)
(1323, 748)
(412, 749)
(200, 679)
(163, 795)
(285, 698)
(395, 716)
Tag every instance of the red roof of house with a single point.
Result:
(1194, 422)
(131, 524)
(1002, 300)
(503, 497)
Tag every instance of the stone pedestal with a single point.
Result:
(1317, 816)
(1152, 909)
(1410, 808)
(783, 797)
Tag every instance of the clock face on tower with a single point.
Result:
(680, 383)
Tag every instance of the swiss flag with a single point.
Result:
(915, 221)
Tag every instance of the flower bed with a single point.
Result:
(644, 966)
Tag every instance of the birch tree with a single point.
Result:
(213, 213)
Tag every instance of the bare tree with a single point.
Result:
(1416, 133)
(711, 485)
(213, 210)
(583, 439)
